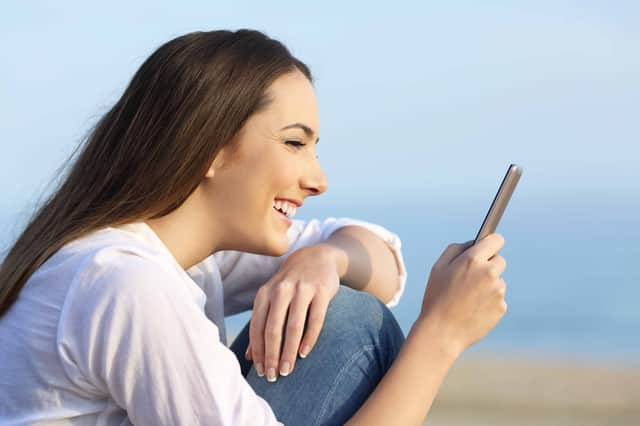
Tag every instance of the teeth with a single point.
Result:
(285, 207)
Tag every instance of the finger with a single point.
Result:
(273, 334)
(247, 354)
(454, 250)
(256, 331)
(497, 265)
(294, 329)
(487, 247)
(317, 313)
(502, 288)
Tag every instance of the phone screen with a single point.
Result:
(500, 202)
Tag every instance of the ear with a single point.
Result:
(216, 164)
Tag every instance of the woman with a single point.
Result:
(177, 212)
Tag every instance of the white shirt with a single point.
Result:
(112, 331)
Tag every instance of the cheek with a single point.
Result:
(277, 174)
(259, 178)
(285, 175)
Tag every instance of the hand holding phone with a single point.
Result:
(465, 290)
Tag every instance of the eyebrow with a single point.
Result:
(307, 130)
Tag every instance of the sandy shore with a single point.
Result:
(497, 390)
(507, 391)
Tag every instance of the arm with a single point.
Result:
(365, 262)
(463, 301)
(134, 331)
(243, 274)
(406, 392)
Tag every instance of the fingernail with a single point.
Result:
(305, 351)
(246, 354)
(260, 369)
(271, 374)
(284, 368)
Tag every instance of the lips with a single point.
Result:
(285, 207)
(293, 201)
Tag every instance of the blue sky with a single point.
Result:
(416, 98)
(422, 107)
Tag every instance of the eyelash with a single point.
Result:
(296, 144)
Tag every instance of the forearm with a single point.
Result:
(408, 389)
(365, 262)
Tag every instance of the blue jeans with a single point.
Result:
(358, 343)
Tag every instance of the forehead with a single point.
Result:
(292, 99)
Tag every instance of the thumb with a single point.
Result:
(454, 250)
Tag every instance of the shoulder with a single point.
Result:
(120, 293)
(119, 270)
(111, 268)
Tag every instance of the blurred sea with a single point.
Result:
(572, 265)
(573, 282)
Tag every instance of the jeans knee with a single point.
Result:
(356, 305)
(355, 309)
(357, 320)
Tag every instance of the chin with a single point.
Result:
(277, 245)
(270, 247)
(279, 249)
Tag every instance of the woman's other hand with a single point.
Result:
(465, 293)
(304, 285)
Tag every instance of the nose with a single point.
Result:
(315, 181)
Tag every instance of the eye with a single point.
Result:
(296, 144)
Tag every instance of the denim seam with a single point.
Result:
(341, 374)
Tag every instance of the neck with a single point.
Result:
(188, 232)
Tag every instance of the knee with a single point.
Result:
(356, 320)
(357, 309)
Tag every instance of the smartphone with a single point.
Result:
(500, 202)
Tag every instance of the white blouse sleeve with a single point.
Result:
(134, 333)
(243, 273)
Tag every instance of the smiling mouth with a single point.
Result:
(279, 213)
(286, 208)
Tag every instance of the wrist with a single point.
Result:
(427, 329)
(336, 255)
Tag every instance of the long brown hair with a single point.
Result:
(152, 149)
